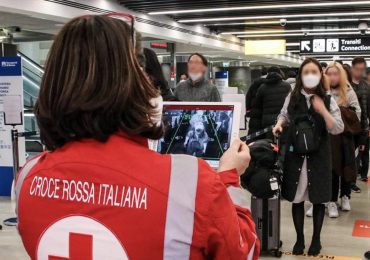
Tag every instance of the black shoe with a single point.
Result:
(298, 248)
(355, 188)
(367, 255)
(314, 249)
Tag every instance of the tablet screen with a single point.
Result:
(200, 130)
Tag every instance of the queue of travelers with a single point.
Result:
(335, 97)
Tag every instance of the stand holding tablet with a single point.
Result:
(13, 116)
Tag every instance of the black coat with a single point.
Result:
(363, 94)
(252, 92)
(270, 99)
(319, 163)
(255, 117)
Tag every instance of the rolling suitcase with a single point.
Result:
(266, 215)
(266, 211)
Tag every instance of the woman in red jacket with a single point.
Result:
(99, 192)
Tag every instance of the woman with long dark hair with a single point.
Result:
(99, 190)
(308, 116)
(154, 71)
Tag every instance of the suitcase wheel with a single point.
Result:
(276, 252)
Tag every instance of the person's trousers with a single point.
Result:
(363, 160)
(345, 187)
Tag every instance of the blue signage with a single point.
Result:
(11, 84)
(6, 179)
(221, 75)
(10, 66)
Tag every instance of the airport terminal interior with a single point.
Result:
(226, 70)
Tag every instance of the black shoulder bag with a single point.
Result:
(305, 140)
(306, 136)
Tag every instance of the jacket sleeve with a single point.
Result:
(251, 94)
(175, 93)
(257, 104)
(338, 127)
(167, 94)
(230, 231)
(215, 95)
(353, 102)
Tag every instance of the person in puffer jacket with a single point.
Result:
(270, 97)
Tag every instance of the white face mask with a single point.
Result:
(311, 80)
(157, 116)
(195, 76)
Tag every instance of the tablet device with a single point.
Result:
(204, 130)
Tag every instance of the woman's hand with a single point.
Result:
(236, 157)
(319, 105)
(278, 129)
(320, 108)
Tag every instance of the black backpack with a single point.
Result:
(262, 169)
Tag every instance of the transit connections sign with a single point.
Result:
(335, 45)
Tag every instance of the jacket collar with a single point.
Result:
(198, 83)
(143, 141)
(305, 94)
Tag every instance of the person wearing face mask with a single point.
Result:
(343, 147)
(307, 118)
(99, 192)
(183, 77)
(197, 88)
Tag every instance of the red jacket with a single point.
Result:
(119, 200)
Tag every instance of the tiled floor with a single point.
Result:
(337, 236)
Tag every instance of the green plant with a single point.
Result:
(242, 88)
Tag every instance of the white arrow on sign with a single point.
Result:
(305, 45)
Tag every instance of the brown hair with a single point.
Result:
(93, 86)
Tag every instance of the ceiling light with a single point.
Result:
(261, 7)
(270, 35)
(272, 17)
(293, 31)
(257, 32)
(296, 34)
(335, 33)
(292, 44)
(290, 22)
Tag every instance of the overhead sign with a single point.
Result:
(11, 91)
(335, 45)
(265, 47)
(159, 45)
